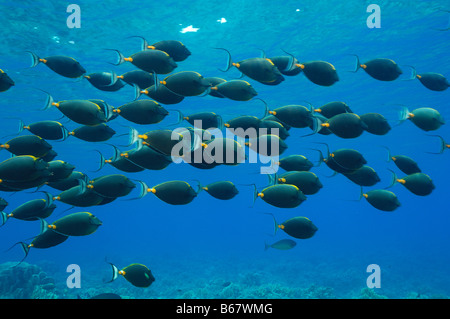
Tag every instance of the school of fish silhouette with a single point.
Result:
(33, 166)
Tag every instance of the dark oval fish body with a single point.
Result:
(307, 182)
(49, 130)
(59, 170)
(426, 118)
(261, 70)
(236, 90)
(47, 239)
(63, 65)
(295, 163)
(364, 176)
(5, 81)
(138, 275)
(23, 168)
(282, 196)
(282, 63)
(125, 165)
(28, 145)
(418, 183)
(209, 120)
(406, 164)
(268, 145)
(224, 190)
(333, 108)
(376, 123)
(33, 210)
(93, 133)
(297, 116)
(114, 185)
(283, 244)
(82, 112)
(148, 158)
(346, 160)
(143, 112)
(244, 122)
(161, 140)
(274, 128)
(175, 192)
(140, 78)
(153, 61)
(176, 49)
(163, 95)
(299, 227)
(186, 83)
(224, 151)
(382, 69)
(215, 81)
(382, 199)
(433, 81)
(320, 72)
(346, 125)
(75, 197)
(76, 224)
(71, 181)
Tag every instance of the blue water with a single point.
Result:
(215, 249)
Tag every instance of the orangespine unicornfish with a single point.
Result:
(112, 185)
(223, 190)
(105, 81)
(3, 204)
(93, 133)
(418, 183)
(215, 81)
(282, 244)
(136, 274)
(176, 49)
(59, 170)
(142, 112)
(307, 182)
(344, 125)
(364, 176)
(288, 65)
(259, 69)
(186, 83)
(380, 69)
(225, 151)
(405, 163)
(49, 130)
(121, 163)
(431, 80)
(31, 210)
(205, 120)
(23, 168)
(294, 163)
(80, 196)
(152, 61)
(71, 181)
(376, 123)
(319, 72)
(144, 156)
(63, 65)
(297, 116)
(5, 81)
(139, 78)
(298, 227)
(27, 145)
(333, 108)
(46, 239)
(83, 112)
(172, 192)
(342, 160)
(381, 199)
(237, 90)
(50, 156)
(75, 224)
(280, 195)
(274, 128)
(425, 118)
(267, 145)
(444, 145)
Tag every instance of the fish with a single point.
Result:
(299, 227)
(224, 151)
(281, 195)
(418, 183)
(244, 126)
(5, 81)
(48, 130)
(307, 182)
(236, 90)
(376, 123)
(112, 186)
(27, 145)
(93, 133)
(121, 163)
(176, 49)
(283, 244)
(425, 118)
(267, 145)
(139, 78)
(80, 196)
(208, 120)
(83, 112)
(380, 69)
(172, 192)
(152, 61)
(161, 94)
(431, 80)
(344, 125)
(215, 81)
(343, 160)
(75, 224)
(71, 181)
(331, 109)
(381, 199)
(136, 274)
(405, 163)
(105, 81)
(142, 156)
(23, 168)
(3, 204)
(31, 210)
(274, 128)
(142, 112)
(186, 83)
(295, 163)
(444, 145)
(364, 176)
(223, 190)
(162, 141)
(319, 72)
(297, 116)
(63, 65)
(59, 170)
(259, 69)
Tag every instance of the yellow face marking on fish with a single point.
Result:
(1, 71)
(270, 61)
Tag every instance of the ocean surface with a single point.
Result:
(212, 248)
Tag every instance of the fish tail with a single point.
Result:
(229, 60)
(3, 218)
(255, 194)
(115, 272)
(275, 224)
(137, 92)
(35, 59)
(120, 57)
(291, 61)
(48, 199)
(273, 178)
(358, 64)
(144, 45)
(413, 73)
(393, 180)
(443, 145)
(266, 246)
(114, 78)
(26, 250)
(403, 114)
(144, 189)
(199, 186)
(133, 136)
(266, 107)
(21, 126)
(180, 117)
(102, 161)
(44, 225)
(389, 154)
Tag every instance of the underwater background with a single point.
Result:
(212, 248)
